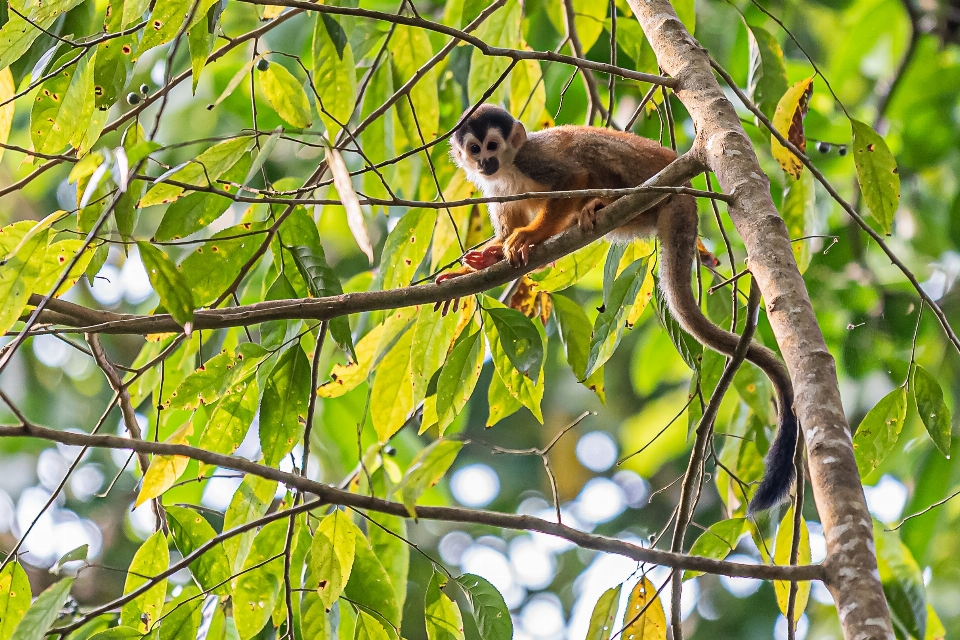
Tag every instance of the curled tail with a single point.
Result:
(677, 228)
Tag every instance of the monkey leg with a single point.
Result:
(557, 214)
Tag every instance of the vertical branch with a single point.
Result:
(594, 101)
(795, 544)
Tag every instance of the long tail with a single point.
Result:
(677, 228)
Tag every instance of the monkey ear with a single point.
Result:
(518, 135)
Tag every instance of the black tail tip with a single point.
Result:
(780, 474)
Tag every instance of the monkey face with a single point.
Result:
(482, 155)
(486, 142)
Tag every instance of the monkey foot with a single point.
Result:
(484, 258)
(588, 215)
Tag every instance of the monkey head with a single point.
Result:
(486, 141)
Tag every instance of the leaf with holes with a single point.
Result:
(190, 531)
(406, 246)
(176, 294)
(877, 174)
(255, 591)
(610, 324)
(643, 618)
(879, 430)
(788, 120)
(14, 598)
(489, 609)
(932, 409)
(332, 554)
(604, 613)
(283, 408)
(151, 559)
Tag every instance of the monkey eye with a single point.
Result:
(474, 149)
(491, 146)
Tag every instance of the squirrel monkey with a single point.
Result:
(502, 159)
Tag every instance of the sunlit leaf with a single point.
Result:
(201, 39)
(182, 615)
(717, 542)
(406, 246)
(214, 265)
(879, 430)
(189, 531)
(932, 409)
(571, 268)
(15, 598)
(521, 387)
(18, 276)
(799, 214)
(230, 420)
(500, 401)
(206, 167)
(152, 558)
(443, 619)
(286, 95)
(7, 91)
(426, 470)
(410, 50)
(604, 614)
(788, 120)
(43, 612)
(256, 590)
(575, 332)
(528, 94)
(164, 471)
(520, 340)
(392, 399)
(643, 619)
(610, 324)
(369, 628)
(781, 555)
(332, 555)
(175, 293)
(388, 539)
(57, 117)
(489, 609)
(432, 337)
(369, 583)
(334, 75)
(877, 174)
(459, 377)
(168, 19)
(19, 32)
(283, 408)
(502, 29)
(251, 501)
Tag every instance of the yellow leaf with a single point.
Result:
(164, 471)
(781, 555)
(7, 91)
(346, 377)
(788, 120)
(644, 618)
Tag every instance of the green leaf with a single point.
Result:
(118, 633)
(432, 335)
(283, 408)
(18, 276)
(524, 389)
(308, 254)
(502, 403)
(442, 615)
(201, 39)
(425, 470)
(687, 346)
(204, 385)
(392, 398)
(604, 614)
(332, 554)
(571, 268)
(388, 541)
(60, 114)
(575, 332)
(43, 612)
(717, 542)
(334, 76)
(14, 598)
(410, 50)
(877, 174)
(215, 264)
(879, 430)
(756, 390)
(768, 74)
(902, 581)
(182, 615)
(489, 609)
(190, 530)
(932, 409)
(799, 211)
(502, 29)
(781, 555)
(255, 591)
(168, 18)
(406, 246)
(286, 95)
(175, 293)
(459, 377)
(609, 326)
(520, 340)
(205, 168)
(152, 558)
(231, 419)
(195, 211)
(369, 628)
(369, 583)
(17, 34)
(251, 500)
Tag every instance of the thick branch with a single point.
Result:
(851, 565)
(331, 495)
(615, 215)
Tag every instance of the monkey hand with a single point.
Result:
(517, 246)
(588, 215)
(484, 258)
